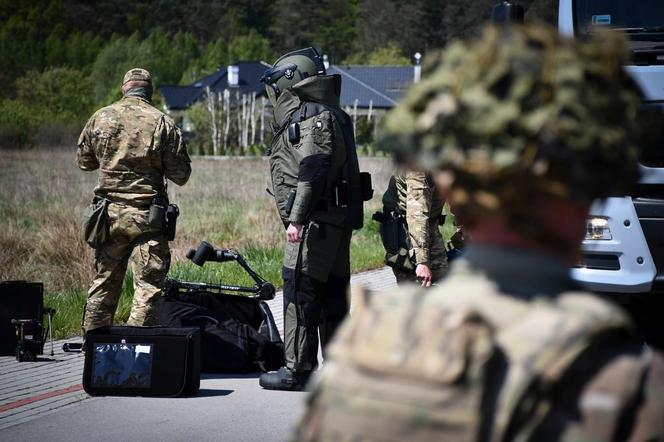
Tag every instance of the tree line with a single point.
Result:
(61, 59)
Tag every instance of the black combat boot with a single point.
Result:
(284, 379)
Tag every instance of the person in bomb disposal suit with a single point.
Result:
(316, 183)
(522, 130)
(136, 148)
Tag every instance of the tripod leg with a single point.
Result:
(50, 333)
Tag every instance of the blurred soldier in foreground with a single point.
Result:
(135, 147)
(412, 203)
(316, 183)
(522, 130)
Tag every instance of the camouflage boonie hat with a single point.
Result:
(523, 105)
(137, 74)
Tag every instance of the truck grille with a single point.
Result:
(599, 262)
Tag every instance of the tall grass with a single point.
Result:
(43, 195)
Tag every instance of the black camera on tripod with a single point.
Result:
(31, 336)
(22, 313)
(27, 347)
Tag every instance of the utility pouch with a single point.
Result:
(157, 215)
(172, 213)
(291, 201)
(96, 230)
(367, 188)
(400, 261)
(341, 194)
(394, 235)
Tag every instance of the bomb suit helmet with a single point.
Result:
(292, 68)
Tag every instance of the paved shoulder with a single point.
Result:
(31, 389)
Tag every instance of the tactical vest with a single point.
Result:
(350, 178)
(422, 367)
(341, 203)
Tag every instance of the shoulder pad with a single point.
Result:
(308, 110)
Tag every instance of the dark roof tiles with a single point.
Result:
(380, 86)
(181, 97)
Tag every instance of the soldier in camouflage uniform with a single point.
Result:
(136, 148)
(412, 193)
(315, 178)
(521, 130)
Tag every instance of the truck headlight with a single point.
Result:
(598, 229)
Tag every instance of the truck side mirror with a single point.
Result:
(506, 12)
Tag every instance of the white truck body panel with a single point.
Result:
(565, 18)
(637, 269)
(650, 79)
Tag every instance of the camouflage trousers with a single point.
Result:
(437, 260)
(132, 242)
(316, 277)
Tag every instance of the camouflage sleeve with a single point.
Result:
(418, 210)
(86, 158)
(314, 153)
(174, 155)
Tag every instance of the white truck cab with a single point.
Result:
(623, 251)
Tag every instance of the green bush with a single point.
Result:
(252, 46)
(199, 117)
(17, 124)
(60, 95)
(167, 57)
(389, 55)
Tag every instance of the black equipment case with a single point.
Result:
(142, 361)
(20, 300)
(238, 334)
(238, 331)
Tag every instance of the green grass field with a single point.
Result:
(43, 194)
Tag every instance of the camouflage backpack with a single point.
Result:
(461, 362)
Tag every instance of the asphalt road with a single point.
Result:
(227, 408)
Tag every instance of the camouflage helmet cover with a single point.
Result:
(292, 68)
(523, 104)
(137, 74)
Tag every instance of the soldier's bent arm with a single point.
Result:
(314, 153)
(86, 158)
(174, 156)
(419, 199)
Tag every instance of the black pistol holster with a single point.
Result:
(164, 216)
(172, 214)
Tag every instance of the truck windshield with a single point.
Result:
(636, 17)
